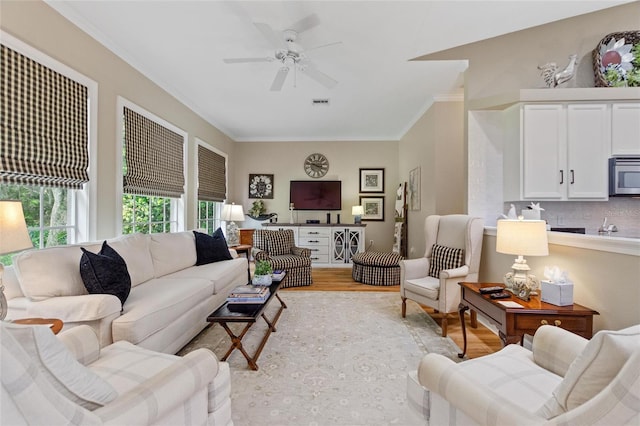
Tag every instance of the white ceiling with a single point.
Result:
(380, 94)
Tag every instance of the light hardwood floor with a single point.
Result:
(480, 341)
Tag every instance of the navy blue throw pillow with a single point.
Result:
(105, 272)
(211, 248)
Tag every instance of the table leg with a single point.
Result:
(236, 343)
(461, 310)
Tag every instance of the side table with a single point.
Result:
(246, 250)
(525, 318)
(54, 323)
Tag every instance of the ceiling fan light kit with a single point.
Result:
(289, 53)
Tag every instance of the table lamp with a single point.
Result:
(357, 212)
(13, 237)
(231, 212)
(522, 237)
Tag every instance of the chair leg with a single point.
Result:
(444, 325)
(404, 307)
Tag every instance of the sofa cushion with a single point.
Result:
(427, 286)
(134, 249)
(222, 276)
(51, 272)
(211, 248)
(443, 257)
(72, 379)
(172, 251)
(157, 303)
(597, 365)
(280, 242)
(105, 272)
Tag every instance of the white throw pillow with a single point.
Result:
(60, 368)
(597, 365)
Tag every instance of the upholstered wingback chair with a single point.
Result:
(279, 249)
(564, 379)
(453, 247)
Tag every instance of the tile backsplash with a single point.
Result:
(622, 212)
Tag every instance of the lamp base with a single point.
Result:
(233, 234)
(521, 284)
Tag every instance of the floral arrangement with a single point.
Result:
(260, 186)
(620, 63)
(257, 209)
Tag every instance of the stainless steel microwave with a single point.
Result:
(624, 176)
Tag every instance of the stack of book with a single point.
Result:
(277, 275)
(248, 294)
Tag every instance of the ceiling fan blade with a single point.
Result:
(323, 46)
(319, 76)
(245, 60)
(276, 40)
(305, 23)
(278, 82)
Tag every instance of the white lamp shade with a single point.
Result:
(522, 237)
(13, 228)
(357, 210)
(231, 212)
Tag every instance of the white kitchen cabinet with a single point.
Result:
(625, 129)
(557, 152)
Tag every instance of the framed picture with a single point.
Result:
(260, 186)
(373, 208)
(372, 180)
(414, 189)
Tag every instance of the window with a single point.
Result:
(209, 215)
(212, 186)
(153, 172)
(48, 129)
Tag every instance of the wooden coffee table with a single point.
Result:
(514, 322)
(249, 314)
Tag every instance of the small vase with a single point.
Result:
(264, 280)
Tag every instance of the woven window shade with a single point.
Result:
(212, 175)
(43, 125)
(153, 158)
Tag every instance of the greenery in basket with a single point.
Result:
(257, 209)
(262, 268)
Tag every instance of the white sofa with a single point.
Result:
(564, 380)
(168, 304)
(70, 380)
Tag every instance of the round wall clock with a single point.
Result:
(316, 165)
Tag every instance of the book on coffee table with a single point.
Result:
(237, 299)
(250, 289)
(248, 294)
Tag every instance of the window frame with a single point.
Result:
(177, 204)
(83, 202)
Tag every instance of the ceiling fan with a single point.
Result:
(289, 53)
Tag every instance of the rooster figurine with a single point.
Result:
(551, 75)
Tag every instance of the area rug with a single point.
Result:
(337, 358)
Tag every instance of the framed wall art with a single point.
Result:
(414, 189)
(372, 180)
(261, 186)
(373, 208)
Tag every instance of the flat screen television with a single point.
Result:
(316, 194)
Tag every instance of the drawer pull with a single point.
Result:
(314, 241)
(544, 322)
(313, 233)
(557, 323)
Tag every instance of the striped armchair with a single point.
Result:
(279, 249)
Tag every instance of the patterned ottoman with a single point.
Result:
(376, 268)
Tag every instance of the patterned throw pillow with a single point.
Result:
(444, 258)
(280, 242)
(211, 248)
(105, 272)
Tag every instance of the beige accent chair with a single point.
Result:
(564, 379)
(461, 233)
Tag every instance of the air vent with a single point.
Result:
(320, 101)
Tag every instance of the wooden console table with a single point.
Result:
(514, 322)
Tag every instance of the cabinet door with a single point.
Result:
(625, 129)
(587, 151)
(543, 152)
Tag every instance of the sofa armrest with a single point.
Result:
(301, 251)
(414, 268)
(555, 348)
(82, 342)
(86, 307)
(444, 377)
(153, 399)
(259, 254)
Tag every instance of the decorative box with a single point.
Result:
(560, 294)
